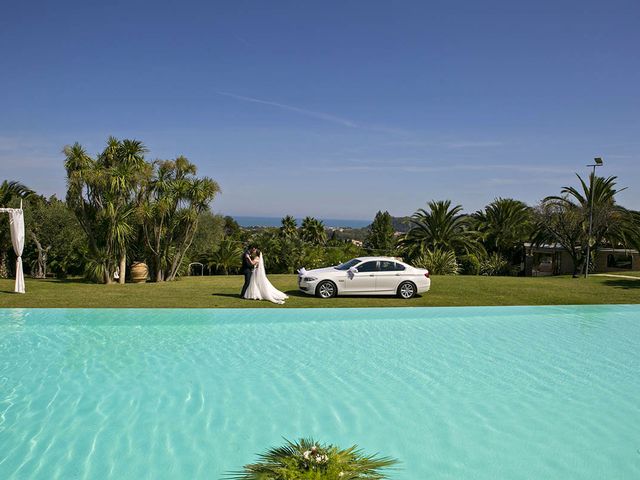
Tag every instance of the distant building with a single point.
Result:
(554, 260)
(357, 243)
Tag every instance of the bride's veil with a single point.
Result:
(267, 290)
(261, 271)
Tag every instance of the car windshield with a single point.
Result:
(349, 264)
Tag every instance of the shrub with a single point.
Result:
(469, 264)
(494, 265)
(341, 252)
(438, 262)
(314, 256)
(307, 459)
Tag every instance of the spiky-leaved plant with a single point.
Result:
(307, 459)
(438, 261)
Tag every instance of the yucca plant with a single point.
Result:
(438, 262)
(307, 459)
(98, 266)
(494, 265)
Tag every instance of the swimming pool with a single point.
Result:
(483, 393)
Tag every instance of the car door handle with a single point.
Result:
(397, 274)
(371, 275)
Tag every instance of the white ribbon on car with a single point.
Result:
(302, 272)
(352, 272)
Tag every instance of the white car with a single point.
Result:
(365, 276)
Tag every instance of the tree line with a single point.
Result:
(121, 208)
(493, 240)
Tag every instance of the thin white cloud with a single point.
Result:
(450, 144)
(503, 182)
(11, 143)
(357, 165)
(242, 40)
(618, 157)
(303, 111)
(479, 144)
(410, 143)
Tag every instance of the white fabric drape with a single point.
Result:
(16, 222)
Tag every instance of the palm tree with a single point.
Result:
(442, 227)
(289, 228)
(9, 191)
(307, 459)
(227, 257)
(504, 225)
(313, 231)
(104, 195)
(84, 199)
(124, 166)
(173, 199)
(612, 224)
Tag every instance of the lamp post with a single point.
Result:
(597, 162)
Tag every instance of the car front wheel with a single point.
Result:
(406, 290)
(326, 289)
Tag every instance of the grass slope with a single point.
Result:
(220, 291)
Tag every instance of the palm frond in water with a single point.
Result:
(307, 459)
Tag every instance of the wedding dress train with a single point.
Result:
(260, 287)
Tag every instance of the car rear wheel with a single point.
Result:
(326, 289)
(407, 290)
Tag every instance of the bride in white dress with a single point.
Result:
(260, 287)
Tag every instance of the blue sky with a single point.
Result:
(334, 109)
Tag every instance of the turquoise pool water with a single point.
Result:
(454, 393)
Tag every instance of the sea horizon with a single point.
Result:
(258, 221)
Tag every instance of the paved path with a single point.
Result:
(613, 276)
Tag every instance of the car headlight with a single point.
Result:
(309, 279)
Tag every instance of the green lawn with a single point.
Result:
(222, 291)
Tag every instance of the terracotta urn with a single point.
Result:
(139, 272)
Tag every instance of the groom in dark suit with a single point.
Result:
(247, 267)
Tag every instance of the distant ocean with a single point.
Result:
(276, 222)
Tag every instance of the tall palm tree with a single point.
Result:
(124, 167)
(441, 226)
(612, 224)
(312, 230)
(104, 195)
(173, 201)
(504, 226)
(84, 199)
